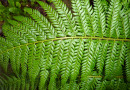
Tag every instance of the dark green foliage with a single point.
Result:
(88, 49)
(8, 8)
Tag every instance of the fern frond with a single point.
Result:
(125, 24)
(91, 82)
(81, 19)
(12, 55)
(102, 56)
(128, 62)
(43, 69)
(87, 49)
(5, 44)
(9, 82)
(43, 77)
(78, 55)
(67, 61)
(120, 56)
(111, 57)
(46, 63)
(99, 18)
(31, 26)
(56, 63)
(66, 16)
(12, 35)
(24, 32)
(33, 65)
(105, 4)
(55, 20)
(74, 86)
(113, 84)
(101, 85)
(46, 29)
(89, 13)
(17, 58)
(88, 62)
(23, 62)
(112, 19)
(119, 84)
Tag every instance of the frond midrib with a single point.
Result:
(64, 38)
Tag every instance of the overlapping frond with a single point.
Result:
(66, 16)
(102, 56)
(81, 19)
(111, 58)
(8, 83)
(55, 20)
(67, 61)
(78, 55)
(56, 63)
(99, 18)
(125, 24)
(87, 49)
(128, 62)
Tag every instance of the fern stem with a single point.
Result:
(97, 38)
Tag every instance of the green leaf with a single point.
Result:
(14, 10)
(18, 4)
